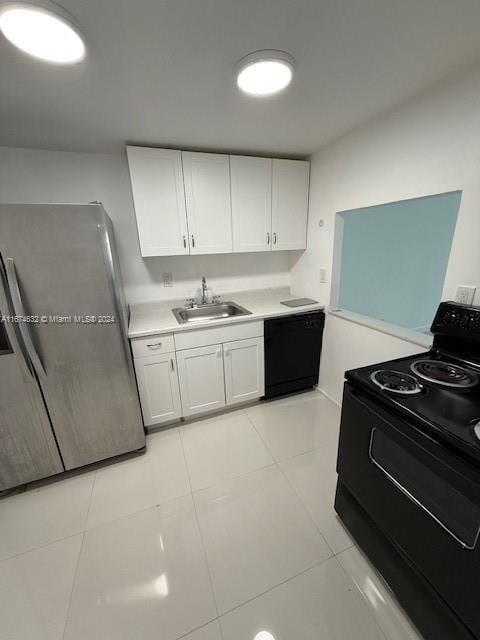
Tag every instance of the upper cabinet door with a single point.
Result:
(207, 193)
(289, 204)
(251, 203)
(159, 198)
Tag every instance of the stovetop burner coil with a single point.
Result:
(396, 382)
(445, 373)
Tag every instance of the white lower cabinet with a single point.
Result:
(200, 373)
(158, 387)
(199, 376)
(244, 370)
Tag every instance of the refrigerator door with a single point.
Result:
(27, 446)
(61, 269)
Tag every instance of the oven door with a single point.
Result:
(423, 498)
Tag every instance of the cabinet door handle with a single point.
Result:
(193, 241)
(172, 365)
(184, 242)
(154, 345)
(268, 237)
(274, 237)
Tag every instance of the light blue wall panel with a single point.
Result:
(394, 258)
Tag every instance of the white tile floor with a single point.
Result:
(223, 530)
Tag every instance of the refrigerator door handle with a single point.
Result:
(20, 312)
(17, 348)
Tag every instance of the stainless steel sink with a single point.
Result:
(209, 312)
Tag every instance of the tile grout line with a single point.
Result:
(90, 500)
(197, 520)
(261, 438)
(155, 505)
(304, 507)
(235, 477)
(275, 458)
(334, 553)
(77, 564)
(201, 418)
(361, 596)
(277, 463)
(202, 626)
(84, 533)
(279, 584)
(42, 546)
(231, 478)
(70, 535)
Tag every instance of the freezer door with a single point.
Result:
(61, 257)
(27, 446)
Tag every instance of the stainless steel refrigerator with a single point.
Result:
(68, 395)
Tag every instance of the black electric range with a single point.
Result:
(409, 474)
(447, 404)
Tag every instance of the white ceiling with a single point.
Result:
(160, 72)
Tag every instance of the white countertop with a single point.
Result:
(153, 318)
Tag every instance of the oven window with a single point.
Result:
(4, 344)
(451, 509)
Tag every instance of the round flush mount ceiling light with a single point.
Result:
(264, 73)
(44, 30)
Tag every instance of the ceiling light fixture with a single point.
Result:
(264, 73)
(43, 29)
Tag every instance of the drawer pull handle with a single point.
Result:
(172, 365)
(154, 345)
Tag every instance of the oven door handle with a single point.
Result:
(415, 500)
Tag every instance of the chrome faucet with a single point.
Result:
(204, 290)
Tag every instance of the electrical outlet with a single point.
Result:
(465, 294)
(323, 275)
(167, 279)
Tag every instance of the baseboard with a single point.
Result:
(324, 393)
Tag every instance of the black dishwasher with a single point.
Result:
(292, 352)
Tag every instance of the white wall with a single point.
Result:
(430, 145)
(28, 175)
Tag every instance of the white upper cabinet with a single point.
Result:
(197, 203)
(159, 198)
(289, 204)
(207, 193)
(251, 203)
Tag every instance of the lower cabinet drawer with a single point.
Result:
(152, 345)
(218, 335)
(158, 388)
